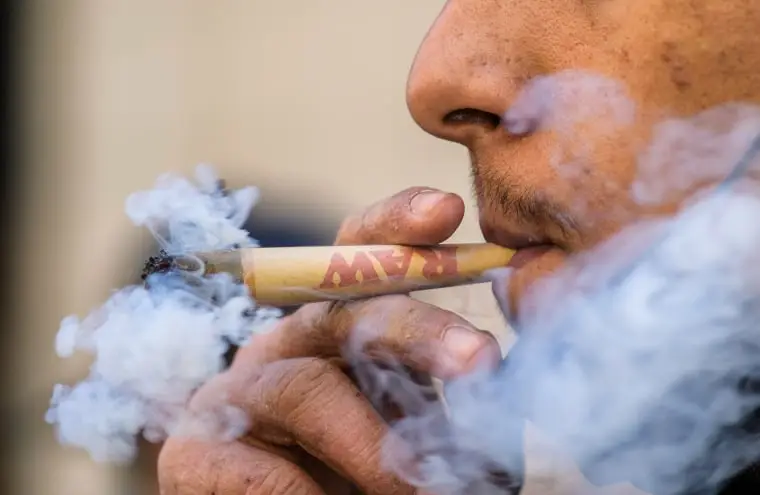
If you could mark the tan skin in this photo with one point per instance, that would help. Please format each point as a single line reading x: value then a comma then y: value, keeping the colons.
x: 313, y: 429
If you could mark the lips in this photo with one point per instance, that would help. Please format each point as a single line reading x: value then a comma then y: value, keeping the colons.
x: 526, y: 247
x: 525, y: 255
x: 508, y: 239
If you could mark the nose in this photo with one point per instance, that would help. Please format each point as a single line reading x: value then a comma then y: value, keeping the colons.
x: 466, y: 72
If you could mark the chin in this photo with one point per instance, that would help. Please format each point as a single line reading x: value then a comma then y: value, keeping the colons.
x: 518, y: 285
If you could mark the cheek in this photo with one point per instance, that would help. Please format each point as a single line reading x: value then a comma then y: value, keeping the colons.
x: 682, y: 56
x: 587, y: 174
x: 592, y: 173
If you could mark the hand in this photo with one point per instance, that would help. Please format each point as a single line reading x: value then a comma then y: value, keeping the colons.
x: 312, y: 431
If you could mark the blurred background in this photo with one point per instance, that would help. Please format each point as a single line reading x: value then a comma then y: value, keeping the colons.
x: 302, y: 98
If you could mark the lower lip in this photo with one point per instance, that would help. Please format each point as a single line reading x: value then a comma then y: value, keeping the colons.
x: 524, y: 256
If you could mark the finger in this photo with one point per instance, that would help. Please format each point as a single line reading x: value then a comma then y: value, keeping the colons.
x: 423, y: 337
x: 417, y: 216
x: 194, y: 467
x: 309, y: 403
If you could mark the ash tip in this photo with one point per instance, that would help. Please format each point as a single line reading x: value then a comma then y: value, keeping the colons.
x: 165, y: 263
x: 161, y: 263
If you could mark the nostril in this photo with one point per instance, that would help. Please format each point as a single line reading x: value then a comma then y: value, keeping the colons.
x: 471, y: 116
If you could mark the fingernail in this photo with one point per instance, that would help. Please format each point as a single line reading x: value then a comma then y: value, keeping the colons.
x: 470, y: 348
x: 424, y: 201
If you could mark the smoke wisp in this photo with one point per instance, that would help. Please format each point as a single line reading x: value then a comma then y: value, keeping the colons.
x: 641, y: 358
x: 154, y: 345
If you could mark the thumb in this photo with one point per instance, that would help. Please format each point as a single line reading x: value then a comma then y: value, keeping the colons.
x: 416, y: 216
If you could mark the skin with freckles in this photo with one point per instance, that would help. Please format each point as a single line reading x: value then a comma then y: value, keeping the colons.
x: 313, y: 430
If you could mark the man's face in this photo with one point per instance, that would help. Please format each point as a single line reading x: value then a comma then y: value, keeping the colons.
x: 540, y: 184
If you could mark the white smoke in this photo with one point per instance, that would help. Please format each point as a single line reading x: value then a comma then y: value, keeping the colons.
x: 639, y: 358
x: 642, y: 357
x: 154, y: 345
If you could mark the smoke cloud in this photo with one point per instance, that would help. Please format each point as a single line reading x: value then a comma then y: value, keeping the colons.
x: 641, y: 358
x: 154, y: 345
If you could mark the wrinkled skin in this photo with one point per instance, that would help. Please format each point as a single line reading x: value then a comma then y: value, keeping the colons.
x: 313, y: 429
x: 307, y: 412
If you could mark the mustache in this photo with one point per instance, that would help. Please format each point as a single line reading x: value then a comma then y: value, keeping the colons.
x: 531, y: 207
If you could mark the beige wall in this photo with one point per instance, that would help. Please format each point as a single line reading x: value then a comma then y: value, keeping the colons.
x: 304, y: 98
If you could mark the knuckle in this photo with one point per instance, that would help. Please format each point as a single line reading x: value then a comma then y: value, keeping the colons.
x: 411, y: 330
x: 381, y: 219
x: 176, y: 467
x: 303, y: 381
x: 324, y: 319
x: 404, y: 312
x: 212, y: 393
x: 392, y: 308
x: 387, y: 218
x: 279, y: 478
x: 322, y: 325
x: 253, y: 353
x: 350, y: 229
x: 333, y: 311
